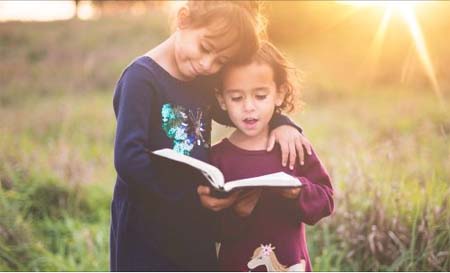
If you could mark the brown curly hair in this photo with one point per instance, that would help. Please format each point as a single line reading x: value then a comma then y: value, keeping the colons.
x: 285, y: 75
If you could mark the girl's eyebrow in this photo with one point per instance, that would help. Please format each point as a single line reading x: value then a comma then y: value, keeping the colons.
x: 208, y: 45
x: 262, y: 88
x: 213, y: 47
x: 232, y: 91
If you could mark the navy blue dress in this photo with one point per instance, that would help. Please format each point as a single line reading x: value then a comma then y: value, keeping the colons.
x: 158, y: 223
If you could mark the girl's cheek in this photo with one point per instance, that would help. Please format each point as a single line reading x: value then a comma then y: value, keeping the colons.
x: 215, y: 69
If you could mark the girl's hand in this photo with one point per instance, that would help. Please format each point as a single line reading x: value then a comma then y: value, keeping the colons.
x: 290, y: 140
x: 290, y: 193
x: 212, y: 203
x: 246, y: 203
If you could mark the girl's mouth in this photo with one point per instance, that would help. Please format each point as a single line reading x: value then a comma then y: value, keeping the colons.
x: 250, y: 122
x: 194, y: 70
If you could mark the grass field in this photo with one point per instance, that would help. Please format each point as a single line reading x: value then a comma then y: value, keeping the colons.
x: 385, y: 146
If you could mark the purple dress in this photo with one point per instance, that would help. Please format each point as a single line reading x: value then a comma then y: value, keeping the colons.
x: 276, y: 225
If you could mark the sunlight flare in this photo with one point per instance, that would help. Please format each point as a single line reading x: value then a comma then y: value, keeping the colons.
x: 377, y: 43
x: 406, y: 10
x: 419, y: 41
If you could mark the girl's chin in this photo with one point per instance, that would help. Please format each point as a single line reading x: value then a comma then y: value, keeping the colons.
x: 250, y: 133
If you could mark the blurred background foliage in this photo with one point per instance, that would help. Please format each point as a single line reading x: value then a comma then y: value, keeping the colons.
x: 374, y: 118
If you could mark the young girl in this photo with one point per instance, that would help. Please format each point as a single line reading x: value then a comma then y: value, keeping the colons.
x: 265, y: 227
x: 165, y: 99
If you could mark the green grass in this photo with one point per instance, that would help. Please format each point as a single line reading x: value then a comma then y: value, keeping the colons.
x: 386, y: 148
x: 388, y: 156
x: 57, y: 174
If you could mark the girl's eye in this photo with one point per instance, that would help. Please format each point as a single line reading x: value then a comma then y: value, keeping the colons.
x: 204, y: 49
x: 222, y: 61
x: 261, y: 97
x: 236, y: 99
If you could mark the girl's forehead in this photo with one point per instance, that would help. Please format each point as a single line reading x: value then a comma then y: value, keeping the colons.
x: 224, y: 41
x: 222, y: 46
x: 247, y: 76
x: 254, y: 68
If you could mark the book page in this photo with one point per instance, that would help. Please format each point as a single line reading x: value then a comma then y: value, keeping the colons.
x: 213, y: 174
x: 279, y: 179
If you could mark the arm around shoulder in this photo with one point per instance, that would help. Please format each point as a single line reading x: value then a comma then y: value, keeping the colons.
x: 279, y: 120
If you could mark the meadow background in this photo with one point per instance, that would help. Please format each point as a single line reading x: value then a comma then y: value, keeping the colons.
x: 379, y: 124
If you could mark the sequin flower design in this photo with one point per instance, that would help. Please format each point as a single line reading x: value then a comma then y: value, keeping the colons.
x: 184, y: 128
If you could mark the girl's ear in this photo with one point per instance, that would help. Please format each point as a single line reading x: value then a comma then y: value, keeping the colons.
x: 183, y: 17
x: 281, y: 93
x: 221, y: 101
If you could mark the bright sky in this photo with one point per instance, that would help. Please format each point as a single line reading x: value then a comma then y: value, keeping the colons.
x: 42, y: 10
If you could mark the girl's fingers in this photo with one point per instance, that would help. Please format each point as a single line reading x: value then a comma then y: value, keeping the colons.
x: 255, y: 195
x: 251, y: 200
x: 245, y: 195
x: 301, y: 153
x: 271, y: 142
x: 284, y: 152
x: 235, y: 195
x: 203, y: 190
x: 213, y: 203
x: 308, y: 146
x: 292, y: 154
x: 248, y: 195
x: 229, y: 199
x: 291, y: 193
x: 217, y: 204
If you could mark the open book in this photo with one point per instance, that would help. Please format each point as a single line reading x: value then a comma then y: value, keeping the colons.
x: 215, y: 177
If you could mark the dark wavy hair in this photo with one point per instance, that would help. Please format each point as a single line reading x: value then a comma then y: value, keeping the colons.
x: 285, y: 75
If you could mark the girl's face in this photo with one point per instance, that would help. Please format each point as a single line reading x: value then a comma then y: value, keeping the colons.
x: 249, y: 95
x: 197, y: 54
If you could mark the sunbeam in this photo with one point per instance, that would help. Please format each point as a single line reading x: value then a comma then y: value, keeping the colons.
x: 419, y: 41
x: 406, y: 10
x: 375, y: 49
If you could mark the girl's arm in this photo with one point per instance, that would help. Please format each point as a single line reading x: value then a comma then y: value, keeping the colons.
x: 314, y: 200
x: 282, y: 130
x: 133, y: 102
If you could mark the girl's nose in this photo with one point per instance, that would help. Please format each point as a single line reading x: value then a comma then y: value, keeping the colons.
x: 206, y: 63
x: 249, y: 105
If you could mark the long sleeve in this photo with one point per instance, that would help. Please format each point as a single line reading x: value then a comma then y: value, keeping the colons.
x: 133, y: 103
x: 316, y: 196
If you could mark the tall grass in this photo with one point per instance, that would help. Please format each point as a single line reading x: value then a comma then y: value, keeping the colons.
x: 388, y: 154
x: 56, y: 175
